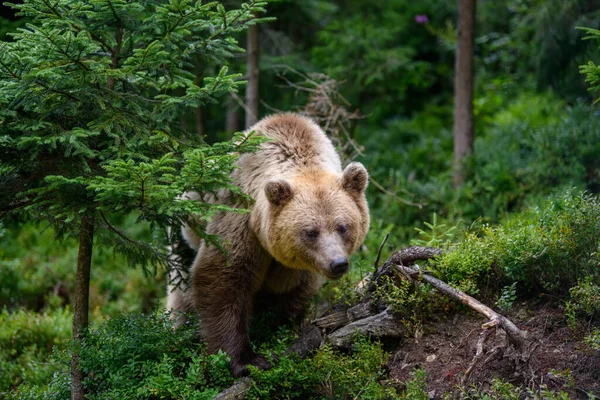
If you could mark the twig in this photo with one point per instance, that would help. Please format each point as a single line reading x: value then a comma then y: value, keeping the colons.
x: 240, y: 102
x: 115, y: 230
x: 5, y: 210
x: 379, y: 251
x: 395, y: 196
x: 483, y: 335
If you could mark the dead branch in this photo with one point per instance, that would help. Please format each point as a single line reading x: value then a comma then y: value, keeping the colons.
x: 383, y: 324
x: 379, y: 251
x: 237, y: 391
x: 515, y: 335
x: 483, y: 335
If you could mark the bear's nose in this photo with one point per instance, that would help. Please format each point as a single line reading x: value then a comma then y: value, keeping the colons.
x: 339, y: 266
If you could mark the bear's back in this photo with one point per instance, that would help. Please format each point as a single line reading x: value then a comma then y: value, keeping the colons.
x: 296, y: 143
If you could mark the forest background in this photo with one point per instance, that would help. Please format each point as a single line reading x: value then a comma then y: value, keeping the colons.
x: 523, y: 228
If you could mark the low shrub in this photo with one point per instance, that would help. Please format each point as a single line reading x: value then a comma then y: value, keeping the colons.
x: 26, y: 340
x: 546, y: 249
x: 328, y: 374
x: 584, y: 301
x: 142, y: 356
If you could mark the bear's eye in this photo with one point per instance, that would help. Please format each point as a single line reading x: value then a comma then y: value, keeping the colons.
x: 311, y: 233
x: 342, y: 229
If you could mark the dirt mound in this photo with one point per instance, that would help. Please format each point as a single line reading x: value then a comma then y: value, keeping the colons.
x: 554, y: 355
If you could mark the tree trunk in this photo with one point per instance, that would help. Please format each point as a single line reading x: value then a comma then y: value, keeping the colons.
x: 232, y: 122
x: 464, y: 134
x: 252, y: 99
x: 200, y: 121
x: 199, y: 112
x: 81, y: 299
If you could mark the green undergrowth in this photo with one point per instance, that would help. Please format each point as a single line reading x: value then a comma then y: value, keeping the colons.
x: 498, y: 389
x: 34, y: 263
x: 545, y: 250
x: 141, y: 356
x: 327, y: 374
x: 584, y: 305
x: 27, y: 340
x: 528, y: 150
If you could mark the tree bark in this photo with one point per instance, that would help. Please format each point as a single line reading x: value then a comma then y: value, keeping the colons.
x: 252, y: 56
x: 199, y: 112
x: 200, y: 121
x: 232, y: 122
x: 81, y: 299
x: 464, y: 134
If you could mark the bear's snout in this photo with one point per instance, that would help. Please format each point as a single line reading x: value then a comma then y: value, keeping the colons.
x: 339, y: 267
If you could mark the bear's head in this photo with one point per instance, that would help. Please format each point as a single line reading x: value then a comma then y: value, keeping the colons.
x: 316, y: 219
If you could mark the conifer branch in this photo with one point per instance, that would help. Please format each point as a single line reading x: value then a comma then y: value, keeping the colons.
x: 6, y: 209
x: 112, y: 8
x: 115, y: 230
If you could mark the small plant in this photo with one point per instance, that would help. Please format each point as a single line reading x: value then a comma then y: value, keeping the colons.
x: 437, y: 235
x: 593, y: 339
x: 585, y: 301
x: 564, y: 375
x: 406, y: 299
x: 499, y: 390
x: 416, y: 388
x: 547, y: 394
x: 507, y: 297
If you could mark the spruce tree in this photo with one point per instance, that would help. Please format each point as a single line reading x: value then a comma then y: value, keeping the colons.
x: 91, y: 94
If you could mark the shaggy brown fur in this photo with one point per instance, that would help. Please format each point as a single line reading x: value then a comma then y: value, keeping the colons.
x: 309, y: 216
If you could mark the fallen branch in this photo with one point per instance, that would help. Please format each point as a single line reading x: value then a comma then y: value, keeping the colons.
x: 237, y: 391
x: 483, y: 335
x: 515, y: 335
x: 383, y: 324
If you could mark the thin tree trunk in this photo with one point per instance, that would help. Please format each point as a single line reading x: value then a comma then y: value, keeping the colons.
x: 232, y: 121
x: 464, y: 134
x: 200, y: 121
x: 81, y: 299
x: 199, y: 113
x: 252, y: 100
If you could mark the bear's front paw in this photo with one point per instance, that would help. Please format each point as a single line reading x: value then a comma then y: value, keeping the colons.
x: 240, y: 369
x: 260, y: 362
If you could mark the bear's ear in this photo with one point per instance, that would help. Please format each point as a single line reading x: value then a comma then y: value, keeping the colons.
x: 279, y: 192
x: 355, y: 178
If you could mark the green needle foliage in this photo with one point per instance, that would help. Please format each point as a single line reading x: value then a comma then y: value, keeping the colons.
x: 591, y: 70
x: 91, y: 97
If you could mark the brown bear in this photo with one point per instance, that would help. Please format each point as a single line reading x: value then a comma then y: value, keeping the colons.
x: 307, y: 218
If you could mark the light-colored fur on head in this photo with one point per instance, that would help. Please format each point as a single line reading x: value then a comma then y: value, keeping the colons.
x: 304, y: 187
x: 320, y: 221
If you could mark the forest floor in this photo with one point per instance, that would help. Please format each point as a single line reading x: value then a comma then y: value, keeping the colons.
x: 555, y: 357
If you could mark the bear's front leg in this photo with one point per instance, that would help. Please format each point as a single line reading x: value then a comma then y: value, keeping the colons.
x: 292, y: 290
x: 226, y: 327
x: 223, y: 295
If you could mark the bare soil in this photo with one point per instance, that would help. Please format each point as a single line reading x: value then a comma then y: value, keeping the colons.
x: 555, y: 355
